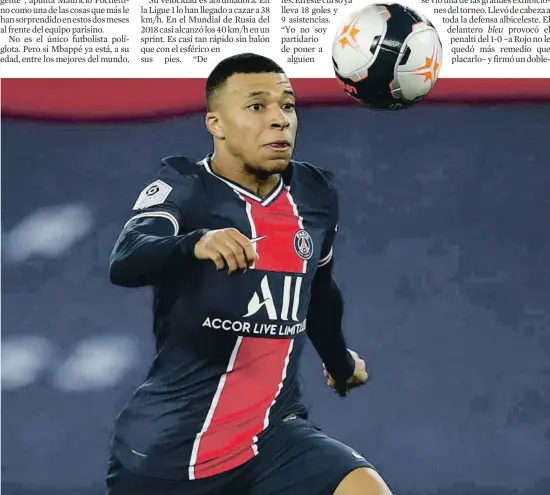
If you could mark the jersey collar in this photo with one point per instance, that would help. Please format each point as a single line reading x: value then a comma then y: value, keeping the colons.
x: 243, y: 191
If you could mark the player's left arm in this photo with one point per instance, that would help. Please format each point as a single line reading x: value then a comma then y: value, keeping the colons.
x: 343, y: 367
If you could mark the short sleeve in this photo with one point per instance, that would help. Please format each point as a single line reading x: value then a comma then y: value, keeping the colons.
x: 166, y: 196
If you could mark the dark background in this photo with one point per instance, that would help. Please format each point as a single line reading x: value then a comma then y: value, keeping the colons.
x: 443, y: 256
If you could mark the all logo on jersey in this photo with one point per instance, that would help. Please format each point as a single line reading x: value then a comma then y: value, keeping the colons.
x: 303, y: 244
x: 283, y: 314
x: 154, y: 194
x: 264, y: 299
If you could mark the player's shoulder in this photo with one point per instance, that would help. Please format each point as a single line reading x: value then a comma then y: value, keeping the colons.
x: 313, y: 172
x: 179, y: 168
x: 180, y: 172
x: 314, y: 177
x: 176, y: 180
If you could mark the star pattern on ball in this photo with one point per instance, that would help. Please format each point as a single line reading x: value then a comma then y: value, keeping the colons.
x: 348, y: 34
x: 429, y: 69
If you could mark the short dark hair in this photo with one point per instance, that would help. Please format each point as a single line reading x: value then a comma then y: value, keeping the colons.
x: 243, y: 63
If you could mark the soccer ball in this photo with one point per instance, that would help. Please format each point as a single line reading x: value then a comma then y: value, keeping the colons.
x: 386, y: 56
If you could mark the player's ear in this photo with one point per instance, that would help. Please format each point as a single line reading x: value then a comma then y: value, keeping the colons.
x: 214, y: 125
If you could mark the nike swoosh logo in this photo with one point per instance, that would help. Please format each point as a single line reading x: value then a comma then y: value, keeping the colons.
x: 256, y: 239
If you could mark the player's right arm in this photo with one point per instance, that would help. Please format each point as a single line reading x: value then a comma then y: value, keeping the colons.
x: 154, y: 241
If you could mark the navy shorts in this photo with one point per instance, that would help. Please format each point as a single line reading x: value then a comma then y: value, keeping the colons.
x: 294, y: 457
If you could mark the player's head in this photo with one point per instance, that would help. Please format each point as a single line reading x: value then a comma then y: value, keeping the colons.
x: 250, y: 105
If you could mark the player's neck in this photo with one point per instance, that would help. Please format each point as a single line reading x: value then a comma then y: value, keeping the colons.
x: 234, y: 170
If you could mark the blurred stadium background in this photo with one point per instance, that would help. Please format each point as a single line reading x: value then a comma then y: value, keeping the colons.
x: 443, y: 255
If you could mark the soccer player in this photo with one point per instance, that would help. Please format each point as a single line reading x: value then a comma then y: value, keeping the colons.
x: 238, y: 250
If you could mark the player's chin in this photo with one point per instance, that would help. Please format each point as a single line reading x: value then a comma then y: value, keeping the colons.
x: 276, y: 161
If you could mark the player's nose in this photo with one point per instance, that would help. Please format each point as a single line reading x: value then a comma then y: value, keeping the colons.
x: 279, y: 119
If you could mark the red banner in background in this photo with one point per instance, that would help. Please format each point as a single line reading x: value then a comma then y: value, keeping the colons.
x: 124, y: 99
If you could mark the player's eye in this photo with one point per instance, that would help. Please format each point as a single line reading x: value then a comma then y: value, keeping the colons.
x: 256, y: 107
x: 289, y: 106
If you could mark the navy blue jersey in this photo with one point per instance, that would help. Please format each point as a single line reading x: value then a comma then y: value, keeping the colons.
x: 228, y: 346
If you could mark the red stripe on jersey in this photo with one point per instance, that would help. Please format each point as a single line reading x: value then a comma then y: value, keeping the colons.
x: 278, y: 223
x: 246, y: 393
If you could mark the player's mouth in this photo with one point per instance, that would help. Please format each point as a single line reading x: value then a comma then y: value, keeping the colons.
x: 279, y: 145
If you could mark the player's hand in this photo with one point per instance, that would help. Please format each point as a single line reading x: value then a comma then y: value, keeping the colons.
x: 359, y: 377
x: 226, y: 248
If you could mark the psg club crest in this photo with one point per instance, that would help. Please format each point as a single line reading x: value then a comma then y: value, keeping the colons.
x: 303, y: 244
